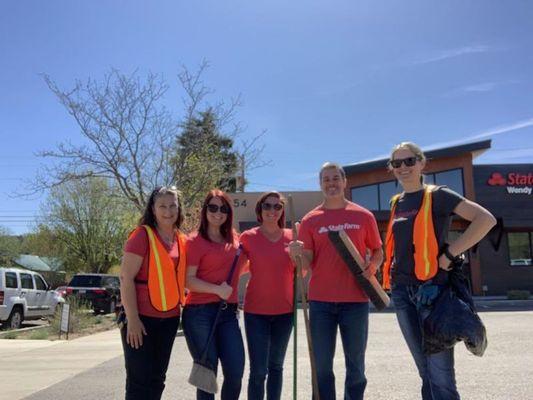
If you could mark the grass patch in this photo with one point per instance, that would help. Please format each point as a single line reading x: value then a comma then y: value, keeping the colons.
x: 10, y: 335
x: 40, y: 334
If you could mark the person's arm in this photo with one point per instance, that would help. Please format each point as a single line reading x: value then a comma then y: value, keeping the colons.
x: 481, y: 223
x: 195, y: 284
x: 131, y: 264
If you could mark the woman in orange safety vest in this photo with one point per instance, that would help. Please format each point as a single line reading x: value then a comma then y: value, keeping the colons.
x: 152, y: 278
x: 419, y: 256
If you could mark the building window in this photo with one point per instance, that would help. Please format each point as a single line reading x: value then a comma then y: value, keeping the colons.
x: 386, y: 191
x: 376, y: 197
x: 520, y: 248
x: 366, y: 196
x: 452, y: 178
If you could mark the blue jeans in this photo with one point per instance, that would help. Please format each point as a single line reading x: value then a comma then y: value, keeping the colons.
x: 146, y: 366
x: 352, y: 321
x: 435, y: 370
x: 267, y: 337
x: 226, y: 345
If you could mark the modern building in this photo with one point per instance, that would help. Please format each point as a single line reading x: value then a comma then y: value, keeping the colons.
x: 502, y: 261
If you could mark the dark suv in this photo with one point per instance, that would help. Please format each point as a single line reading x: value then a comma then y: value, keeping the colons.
x: 102, y: 291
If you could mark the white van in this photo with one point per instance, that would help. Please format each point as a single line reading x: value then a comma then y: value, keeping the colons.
x: 24, y: 295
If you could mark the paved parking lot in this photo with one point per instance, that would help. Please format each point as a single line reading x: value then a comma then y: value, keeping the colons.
x: 503, y: 373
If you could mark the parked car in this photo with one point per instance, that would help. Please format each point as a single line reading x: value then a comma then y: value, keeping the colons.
x: 25, y: 295
x: 102, y: 291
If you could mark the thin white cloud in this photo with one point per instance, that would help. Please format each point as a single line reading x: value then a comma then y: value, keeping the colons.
x: 451, y: 53
x: 482, y: 87
x: 507, y: 154
x: 498, y: 130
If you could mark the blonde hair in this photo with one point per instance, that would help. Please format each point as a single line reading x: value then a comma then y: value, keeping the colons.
x: 412, y: 147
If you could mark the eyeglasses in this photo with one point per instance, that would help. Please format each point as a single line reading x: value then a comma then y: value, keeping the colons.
x: 409, y: 162
x: 268, y: 206
x: 213, y: 208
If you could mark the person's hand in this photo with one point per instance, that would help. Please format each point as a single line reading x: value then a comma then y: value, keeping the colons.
x: 224, y: 291
x: 369, y: 270
x: 445, y: 263
x: 296, y: 249
x: 134, y: 332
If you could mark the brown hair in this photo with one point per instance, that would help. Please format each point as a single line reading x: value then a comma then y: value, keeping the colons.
x: 331, y: 165
x: 259, y: 204
x: 226, y: 229
x: 148, y: 217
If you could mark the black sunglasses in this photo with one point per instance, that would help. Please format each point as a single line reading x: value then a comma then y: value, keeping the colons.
x: 409, y: 162
x: 213, y: 208
x: 268, y: 206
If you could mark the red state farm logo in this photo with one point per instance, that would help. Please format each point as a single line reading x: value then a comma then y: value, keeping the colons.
x: 496, y: 179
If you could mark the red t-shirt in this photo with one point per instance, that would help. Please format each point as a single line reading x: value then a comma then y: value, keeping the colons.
x: 138, y: 244
x: 270, y: 288
x: 331, y: 280
x: 214, y: 263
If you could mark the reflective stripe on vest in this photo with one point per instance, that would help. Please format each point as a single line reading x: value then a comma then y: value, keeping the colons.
x: 166, y: 283
x: 426, y: 248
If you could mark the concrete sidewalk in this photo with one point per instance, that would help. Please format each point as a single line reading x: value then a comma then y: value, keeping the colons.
x: 93, y: 367
x: 28, y: 366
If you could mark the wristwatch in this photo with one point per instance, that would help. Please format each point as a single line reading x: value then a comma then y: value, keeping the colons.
x: 446, y: 251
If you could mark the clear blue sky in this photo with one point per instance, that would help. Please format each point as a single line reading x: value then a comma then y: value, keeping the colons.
x: 329, y: 80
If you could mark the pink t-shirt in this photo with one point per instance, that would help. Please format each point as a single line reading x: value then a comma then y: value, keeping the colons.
x: 138, y: 244
x: 331, y: 280
x: 214, y: 263
x: 270, y: 288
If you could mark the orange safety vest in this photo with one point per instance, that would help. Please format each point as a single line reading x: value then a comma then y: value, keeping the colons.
x: 426, y: 247
x: 166, y: 283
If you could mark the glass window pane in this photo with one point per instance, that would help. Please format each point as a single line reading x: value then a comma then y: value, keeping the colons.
x: 26, y: 281
x: 386, y: 191
x: 453, y: 179
x: 366, y: 196
x: 429, y: 179
x: 519, y: 250
x: 11, y: 280
x: 39, y: 283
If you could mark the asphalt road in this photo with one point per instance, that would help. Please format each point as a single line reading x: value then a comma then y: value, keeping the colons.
x: 503, y: 373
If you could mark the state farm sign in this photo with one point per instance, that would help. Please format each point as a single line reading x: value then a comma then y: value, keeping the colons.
x: 516, y: 183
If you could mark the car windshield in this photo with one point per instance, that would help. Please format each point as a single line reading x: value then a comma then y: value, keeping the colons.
x: 86, y: 281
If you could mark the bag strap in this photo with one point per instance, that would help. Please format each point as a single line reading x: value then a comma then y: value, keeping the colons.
x: 222, y: 305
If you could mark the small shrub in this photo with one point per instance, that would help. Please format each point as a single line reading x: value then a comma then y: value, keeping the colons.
x: 518, y: 294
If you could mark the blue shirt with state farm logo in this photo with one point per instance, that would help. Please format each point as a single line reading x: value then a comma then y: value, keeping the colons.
x: 331, y: 280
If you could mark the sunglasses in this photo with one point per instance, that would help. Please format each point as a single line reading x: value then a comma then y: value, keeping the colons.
x: 409, y: 162
x: 213, y: 208
x: 268, y: 206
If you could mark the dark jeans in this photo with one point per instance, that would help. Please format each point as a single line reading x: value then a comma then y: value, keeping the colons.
x: 146, y: 367
x: 226, y: 345
x: 352, y: 321
x: 267, y: 337
x: 436, y: 370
